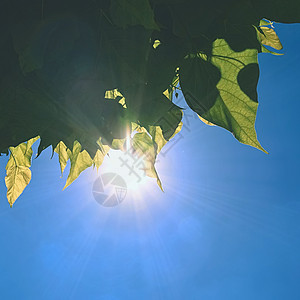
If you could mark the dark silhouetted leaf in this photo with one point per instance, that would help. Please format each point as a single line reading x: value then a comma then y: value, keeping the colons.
x: 132, y: 12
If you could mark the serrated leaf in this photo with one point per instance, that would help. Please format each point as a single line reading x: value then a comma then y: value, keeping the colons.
x: 61, y: 150
x: 228, y: 98
x: 79, y: 162
x: 18, y: 174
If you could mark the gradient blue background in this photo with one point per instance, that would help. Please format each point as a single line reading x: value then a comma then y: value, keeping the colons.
x: 227, y: 226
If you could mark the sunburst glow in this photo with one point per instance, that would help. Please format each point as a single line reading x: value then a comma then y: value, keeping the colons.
x: 128, y: 167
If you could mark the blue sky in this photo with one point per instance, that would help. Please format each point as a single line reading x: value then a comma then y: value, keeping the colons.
x: 227, y: 226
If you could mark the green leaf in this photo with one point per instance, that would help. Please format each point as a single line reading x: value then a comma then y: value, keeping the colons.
x: 132, y: 12
x: 149, y: 147
x: 198, y: 80
x: 283, y: 11
x: 118, y: 144
x: 30, y: 52
x: 79, y: 162
x: 61, y: 150
x: 56, y: 67
x: 18, y: 174
x: 227, y: 94
x: 145, y: 148
x: 149, y: 109
x: 158, y: 136
x: 49, y: 40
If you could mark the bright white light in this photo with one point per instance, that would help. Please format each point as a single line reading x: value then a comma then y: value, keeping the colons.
x: 128, y: 167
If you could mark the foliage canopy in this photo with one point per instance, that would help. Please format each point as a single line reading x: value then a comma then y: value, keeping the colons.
x: 82, y: 75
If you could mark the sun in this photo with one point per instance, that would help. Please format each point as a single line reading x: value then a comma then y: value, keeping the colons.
x: 128, y: 167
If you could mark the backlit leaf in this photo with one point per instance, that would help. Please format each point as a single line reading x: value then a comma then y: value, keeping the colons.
x: 86, y: 75
x: 146, y: 149
x: 80, y: 160
x: 100, y: 154
x: 61, y: 150
x: 169, y: 92
x: 226, y: 98
x: 158, y: 137
x: 18, y: 174
x: 156, y: 43
x: 268, y: 36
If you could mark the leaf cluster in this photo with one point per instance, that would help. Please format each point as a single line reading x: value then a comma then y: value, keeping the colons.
x: 83, y: 75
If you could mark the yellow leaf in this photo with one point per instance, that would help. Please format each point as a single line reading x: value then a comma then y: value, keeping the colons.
x: 79, y: 162
x: 18, y: 174
x: 206, y: 122
x: 169, y: 92
x: 100, y: 155
x: 156, y: 43
x: 61, y: 150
